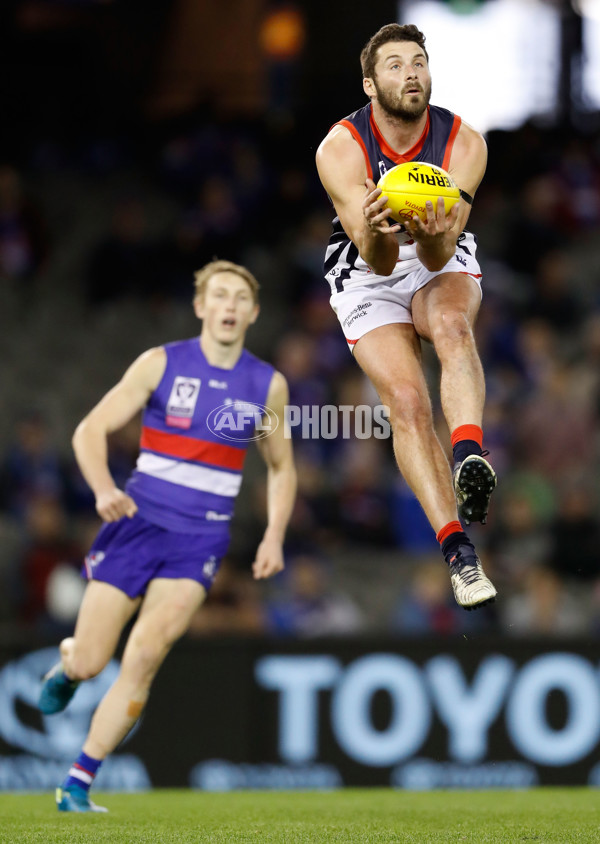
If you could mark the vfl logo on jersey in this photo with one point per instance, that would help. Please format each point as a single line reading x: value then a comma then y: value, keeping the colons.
x: 382, y: 169
x: 182, y: 401
x: 92, y: 560
x: 209, y: 569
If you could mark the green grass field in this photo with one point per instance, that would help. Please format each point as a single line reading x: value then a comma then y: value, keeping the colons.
x: 365, y: 815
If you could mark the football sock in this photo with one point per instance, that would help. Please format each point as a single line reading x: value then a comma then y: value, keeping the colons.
x: 450, y: 537
x: 82, y: 772
x: 466, y: 440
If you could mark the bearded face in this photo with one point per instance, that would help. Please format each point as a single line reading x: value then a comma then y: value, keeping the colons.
x: 407, y: 103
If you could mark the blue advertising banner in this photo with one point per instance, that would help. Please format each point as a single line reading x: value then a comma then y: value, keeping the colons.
x: 265, y: 714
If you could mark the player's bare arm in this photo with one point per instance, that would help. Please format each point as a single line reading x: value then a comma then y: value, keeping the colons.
x: 436, y: 238
x: 113, y: 411
x: 357, y: 201
x: 276, y: 451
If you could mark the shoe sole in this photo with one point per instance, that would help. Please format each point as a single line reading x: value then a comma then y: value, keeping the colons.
x: 66, y: 803
x: 476, y: 480
x: 472, y: 607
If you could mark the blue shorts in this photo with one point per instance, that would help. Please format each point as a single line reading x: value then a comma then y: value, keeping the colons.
x: 131, y: 552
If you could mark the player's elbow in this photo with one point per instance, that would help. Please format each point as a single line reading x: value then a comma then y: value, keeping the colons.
x: 285, y: 478
x: 380, y: 257
x: 82, y: 434
x: 78, y: 434
x: 283, y: 466
x: 383, y: 267
x: 436, y: 259
x: 434, y: 265
x: 379, y: 262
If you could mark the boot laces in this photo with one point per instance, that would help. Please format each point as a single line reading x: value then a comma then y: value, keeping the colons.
x: 467, y: 571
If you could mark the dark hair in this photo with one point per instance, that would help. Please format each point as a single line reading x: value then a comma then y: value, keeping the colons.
x: 387, y: 33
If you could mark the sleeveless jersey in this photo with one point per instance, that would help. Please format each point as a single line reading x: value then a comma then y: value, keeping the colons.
x: 344, y: 268
x: 187, y: 476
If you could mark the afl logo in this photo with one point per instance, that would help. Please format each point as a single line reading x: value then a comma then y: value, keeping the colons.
x: 240, y: 421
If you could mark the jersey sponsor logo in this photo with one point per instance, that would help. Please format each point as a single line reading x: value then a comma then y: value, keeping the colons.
x: 461, y: 260
x: 382, y: 168
x: 217, y: 385
x: 356, y: 313
x: 182, y: 401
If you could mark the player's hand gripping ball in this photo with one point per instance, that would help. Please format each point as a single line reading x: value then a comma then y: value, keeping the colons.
x: 409, y: 186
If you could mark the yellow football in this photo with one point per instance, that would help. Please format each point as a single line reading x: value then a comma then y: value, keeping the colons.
x: 409, y: 186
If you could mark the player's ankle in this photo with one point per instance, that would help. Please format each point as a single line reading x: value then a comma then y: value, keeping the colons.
x: 82, y: 772
x: 466, y: 440
x: 451, y: 537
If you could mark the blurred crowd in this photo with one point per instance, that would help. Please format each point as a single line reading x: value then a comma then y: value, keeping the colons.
x: 360, y: 557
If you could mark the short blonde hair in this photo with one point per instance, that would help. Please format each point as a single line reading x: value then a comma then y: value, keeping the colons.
x: 204, y: 275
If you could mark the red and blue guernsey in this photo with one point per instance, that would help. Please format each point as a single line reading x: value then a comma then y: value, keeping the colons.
x: 344, y: 267
x: 187, y: 477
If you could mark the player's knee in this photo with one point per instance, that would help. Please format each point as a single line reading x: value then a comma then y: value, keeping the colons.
x: 450, y: 329
x: 409, y: 408
x: 144, y: 660
x: 84, y: 666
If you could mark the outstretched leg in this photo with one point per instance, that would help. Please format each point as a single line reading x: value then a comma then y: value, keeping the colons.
x: 444, y: 312
x: 390, y: 356
x: 104, y: 612
x: 164, y: 616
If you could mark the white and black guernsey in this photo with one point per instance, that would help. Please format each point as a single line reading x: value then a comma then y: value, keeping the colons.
x: 344, y: 268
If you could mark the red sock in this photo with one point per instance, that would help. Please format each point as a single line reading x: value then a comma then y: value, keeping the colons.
x: 447, y: 530
x: 466, y: 440
x: 467, y: 432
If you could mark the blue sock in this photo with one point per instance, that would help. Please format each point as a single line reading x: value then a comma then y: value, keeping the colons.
x: 464, y: 449
x: 82, y: 772
x: 451, y: 544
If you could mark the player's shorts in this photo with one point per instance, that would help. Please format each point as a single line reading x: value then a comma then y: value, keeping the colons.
x: 130, y: 553
x: 362, y: 308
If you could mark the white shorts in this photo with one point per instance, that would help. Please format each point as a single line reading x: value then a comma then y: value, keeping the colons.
x: 362, y: 308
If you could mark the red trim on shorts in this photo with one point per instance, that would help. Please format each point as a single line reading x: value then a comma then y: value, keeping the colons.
x: 450, y: 143
x: 467, y: 432
x: 448, y: 530
x: 356, y: 135
x: 188, y: 448
x: 399, y: 158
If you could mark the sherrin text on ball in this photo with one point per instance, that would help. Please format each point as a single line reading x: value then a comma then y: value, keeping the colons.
x: 410, y: 185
